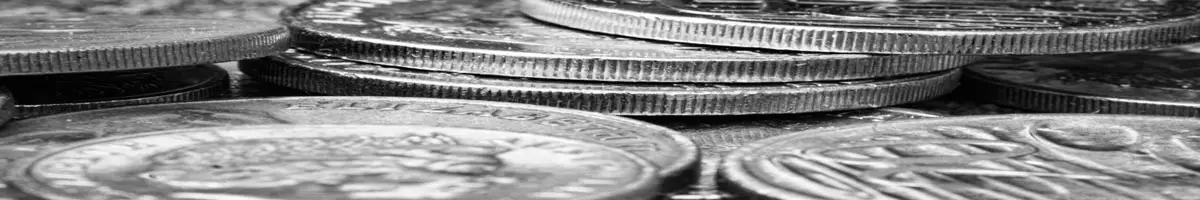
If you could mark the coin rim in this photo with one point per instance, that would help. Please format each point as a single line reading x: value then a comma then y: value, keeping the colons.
x: 1047, y: 99
x: 213, y: 87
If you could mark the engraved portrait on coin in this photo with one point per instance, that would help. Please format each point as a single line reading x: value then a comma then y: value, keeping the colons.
x: 341, y: 162
x: 1071, y: 156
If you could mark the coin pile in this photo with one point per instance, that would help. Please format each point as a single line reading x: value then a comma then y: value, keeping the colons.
x: 62, y: 64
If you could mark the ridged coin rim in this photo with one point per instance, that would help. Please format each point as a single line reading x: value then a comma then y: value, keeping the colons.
x: 215, y: 86
x: 1044, y: 99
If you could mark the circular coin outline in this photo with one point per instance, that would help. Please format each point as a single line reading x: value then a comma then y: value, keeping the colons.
x: 357, y: 39
x: 735, y: 175
x: 179, y: 43
x: 317, y: 74
x: 215, y: 84
x: 642, y: 188
x: 651, y: 19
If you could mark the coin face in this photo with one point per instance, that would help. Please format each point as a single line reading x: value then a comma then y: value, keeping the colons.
x: 716, y: 136
x: 904, y: 27
x: 1159, y: 82
x: 493, y: 37
x: 1069, y: 156
x: 673, y: 152
x: 61, y: 93
x: 298, y: 70
x: 47, y: 45
x: 337, y: 162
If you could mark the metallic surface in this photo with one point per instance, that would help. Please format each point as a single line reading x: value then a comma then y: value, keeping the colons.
x: 1150, y: 82
x: 322, y: 162
x: 39, y: 45
x: 889, y: 27
x: 60, y: 93
x: 718, y: 135
x: 339, y: 77
x: 675, y: 154
x: 491, y: 37
x: 1061, y: 156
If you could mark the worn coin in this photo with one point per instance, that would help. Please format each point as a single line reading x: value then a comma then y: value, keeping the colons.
x: 491, y: 37
x: 35, y: 45
x: 1152, y: 82
x: 1066, y: 156
x: 889, y: 27
x: 718, y: 135
x: 60, y: 93
x: 671, y: 151
x: 322, y: 162
x: 340, y: 77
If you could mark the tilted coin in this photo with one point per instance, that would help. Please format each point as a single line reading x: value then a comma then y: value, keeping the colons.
x: 492, y: 37
x: 716, y: 136
x: 49, y: 45
x: 889, y: 27
x: 1152, y: 82
x: 1066, y: 156
x: 340, y: 77
x: 322, y: 162
x: 674, y: 153
x: 60, y: 93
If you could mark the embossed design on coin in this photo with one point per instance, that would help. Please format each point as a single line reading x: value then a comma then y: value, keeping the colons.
x: 50, y: 45
x: 60, y: 93
x: 977, y: 157
x: 1157, y: 82
x: 903, y: 27
x: 492, y: 37
x: 337, y: 162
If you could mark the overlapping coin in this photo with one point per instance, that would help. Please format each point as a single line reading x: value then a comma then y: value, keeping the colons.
x: 60, y: 93
x: 1038, y: 156
x: 322, y: 162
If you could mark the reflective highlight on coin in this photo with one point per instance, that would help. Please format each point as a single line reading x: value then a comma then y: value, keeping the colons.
x: 336, y: 162
x: 1068, y: 156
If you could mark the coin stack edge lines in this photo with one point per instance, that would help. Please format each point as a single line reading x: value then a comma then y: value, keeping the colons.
x: 215, y: 88
x: 859, y: 40
x: 1049, y: 100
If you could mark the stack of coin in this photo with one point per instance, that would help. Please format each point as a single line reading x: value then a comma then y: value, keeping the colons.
x: 62, y: 64
x: 489, y: 50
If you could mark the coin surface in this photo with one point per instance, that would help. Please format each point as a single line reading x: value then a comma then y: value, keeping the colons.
x: 322, y: 162
x: 492, y: 37
x: 37, y: 45
x: 716, y: 136
x: 674, y: 153
x: 889, y: 27
x: 340, y: 77
x: 1064, y: 156
x: 60, y: 93
x: 1151, y: 82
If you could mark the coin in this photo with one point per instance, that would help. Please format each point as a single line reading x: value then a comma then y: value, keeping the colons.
x: 492, y: 37
x: 340, y: 77
x: 716, y: 136
x: 1151, y: 82
x: 1040, y: 156
x: 35, y: 45
x: 674, y: 153
x: 7, y: 105
x: 336, y: 162
x: 60, y: 93
x: 889, y: 27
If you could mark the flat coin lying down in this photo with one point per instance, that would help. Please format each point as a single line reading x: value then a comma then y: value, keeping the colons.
x: 491, y: 37
x: 59, y: 93
x: 326, y: 75
x: 675, y: 154
x: 321, y: 162
x: 1040, y: 156
x: 889, y: 26
x: 51, y: 45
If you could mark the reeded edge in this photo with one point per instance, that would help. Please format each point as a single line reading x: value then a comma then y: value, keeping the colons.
x: 690, y: 28
x: 736, y: 178
x: 652, y: 101
x: 17, y: 175
x: 148, y: 56
x: 1045, y: 99
x: 214, y: 87
x: 689, y: 160
x: 409, y: 54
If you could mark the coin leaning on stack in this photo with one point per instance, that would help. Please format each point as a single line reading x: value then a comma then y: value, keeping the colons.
x: 63, y: 64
